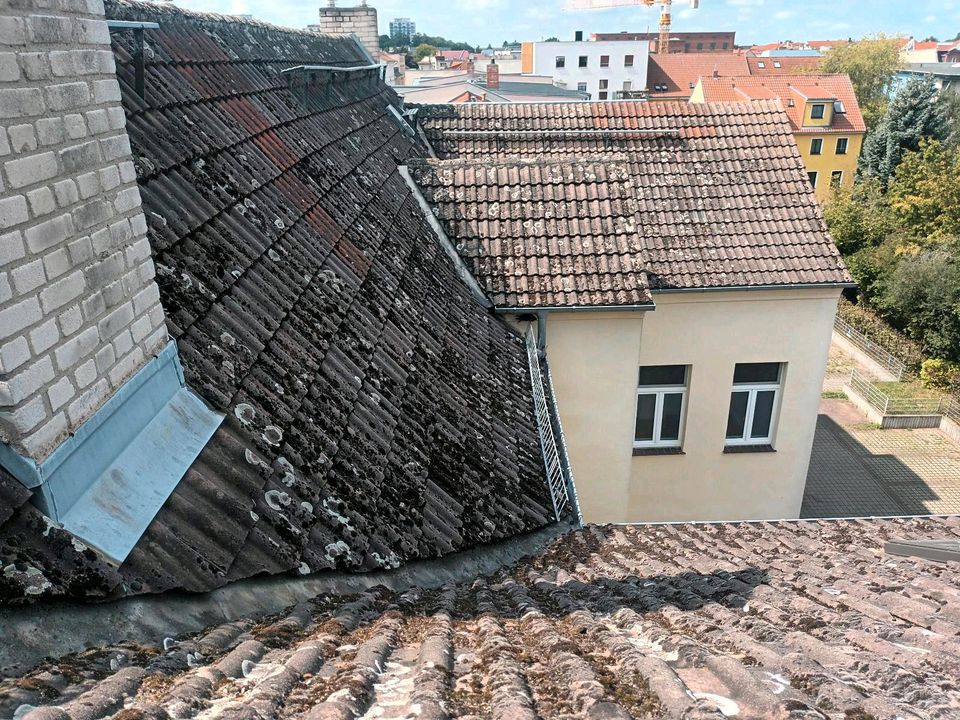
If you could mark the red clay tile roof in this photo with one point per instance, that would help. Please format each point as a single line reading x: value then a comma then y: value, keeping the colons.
x: 543, y: 233
x: 721, y: 198
x: 797, y: 620
x: 376, y: 412
x: 679, y: 72
x: 795, y: 88
x: 782, y: 65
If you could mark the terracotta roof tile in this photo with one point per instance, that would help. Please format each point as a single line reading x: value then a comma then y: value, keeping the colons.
x: 679, y: 72
x: 795, y: 89
x: 752, y: 620
x: 701, y: 196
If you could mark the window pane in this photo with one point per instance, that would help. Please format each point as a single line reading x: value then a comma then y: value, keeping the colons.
x: 756, y: 373
x: 738, y: 414
x: 663, y: 375
x: 646, y: 408
x: 670, y: 423
x: 762, y: 414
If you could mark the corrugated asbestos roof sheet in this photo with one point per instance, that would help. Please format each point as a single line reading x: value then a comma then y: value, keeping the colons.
x: 700, y: 196
x: 375, y: 412
x: 750, y: 620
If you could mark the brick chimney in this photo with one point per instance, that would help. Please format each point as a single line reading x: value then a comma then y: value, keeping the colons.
x: 360, y: 20
x: 493, y: 75
x: 82, y: 331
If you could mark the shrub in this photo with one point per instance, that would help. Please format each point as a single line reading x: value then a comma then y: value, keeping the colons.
x: 940, y: 374
x: 875, y: 328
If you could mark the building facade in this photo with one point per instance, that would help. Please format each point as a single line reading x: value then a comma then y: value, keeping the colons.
x: 606, y: 70
x: 680, y: 42
x: 685, y: 315
x: 402, y: 27
x: 827, y: 123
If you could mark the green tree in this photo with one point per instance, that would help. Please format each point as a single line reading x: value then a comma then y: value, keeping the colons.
x: 913, y: 114
x: 859, y: 217
x: 949, y: 103
x: 925, y: 193
x: 871, y: 64
x: 423, y: 50
x: 552, y: 39
x: 923, y: 296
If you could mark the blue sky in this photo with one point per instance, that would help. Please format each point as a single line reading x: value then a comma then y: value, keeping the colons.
x: 493, y: 21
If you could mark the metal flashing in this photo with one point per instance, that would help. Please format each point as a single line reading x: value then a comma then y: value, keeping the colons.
x: 936, y: 550
x: 106, y: 481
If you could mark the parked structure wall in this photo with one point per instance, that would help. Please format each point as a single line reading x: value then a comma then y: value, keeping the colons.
x: 79, y: 309
x: 360, y: 21
x: 595, y: 359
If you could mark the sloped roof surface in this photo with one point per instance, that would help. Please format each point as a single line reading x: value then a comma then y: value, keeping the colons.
x: 797, y: 88
x: 753, y: 620
x: 679, y: 72
x: 722, y: 198
x: 374, y: 411
x: 543, y: 233
x: 782, y: 65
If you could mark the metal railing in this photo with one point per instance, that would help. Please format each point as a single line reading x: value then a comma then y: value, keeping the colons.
x: 556, y: 472
x: 951, y: 408
x: 886, y: 404
x: 883, y: 358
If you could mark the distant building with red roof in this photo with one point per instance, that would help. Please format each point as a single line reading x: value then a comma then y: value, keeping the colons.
x: 824, y: 116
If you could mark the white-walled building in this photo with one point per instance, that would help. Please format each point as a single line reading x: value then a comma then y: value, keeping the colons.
x: 605, y: 69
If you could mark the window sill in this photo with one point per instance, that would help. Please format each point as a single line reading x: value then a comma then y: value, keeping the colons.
x: 647, y: 451
x: 734, y: 449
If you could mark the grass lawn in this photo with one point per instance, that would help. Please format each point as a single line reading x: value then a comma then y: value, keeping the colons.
x: 906, y: 390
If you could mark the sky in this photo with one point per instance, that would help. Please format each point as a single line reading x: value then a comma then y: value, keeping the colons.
x: 483, y: 22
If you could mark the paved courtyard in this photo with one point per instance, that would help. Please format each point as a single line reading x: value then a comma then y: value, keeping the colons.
x: 857, y: 469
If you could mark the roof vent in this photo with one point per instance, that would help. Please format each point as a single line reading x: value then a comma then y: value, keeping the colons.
x: 401, y: 120
x: 790, y: 102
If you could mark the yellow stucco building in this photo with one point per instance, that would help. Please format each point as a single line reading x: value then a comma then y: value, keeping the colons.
x: 824, y: 115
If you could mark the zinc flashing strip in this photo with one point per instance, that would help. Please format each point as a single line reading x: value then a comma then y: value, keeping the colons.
x: 106, y: 481
x: 459, y: 265
x: 936, y: 550
x: 740, y: 288
x: 650, y: 307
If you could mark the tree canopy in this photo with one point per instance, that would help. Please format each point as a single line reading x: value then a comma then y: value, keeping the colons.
x: 424, y: 50
x: 871, y: 64
x: 912, y: 115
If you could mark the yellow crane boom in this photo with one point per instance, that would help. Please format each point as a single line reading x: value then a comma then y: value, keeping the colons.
x: 663, y: 42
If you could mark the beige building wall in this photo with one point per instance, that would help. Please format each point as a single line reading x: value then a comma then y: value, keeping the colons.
x: 594, y: 359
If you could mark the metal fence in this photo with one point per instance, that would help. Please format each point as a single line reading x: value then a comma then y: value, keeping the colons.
x: 556, y: 472
x: 886, y: 404
x: 951, y: 408
x: 887, y: 361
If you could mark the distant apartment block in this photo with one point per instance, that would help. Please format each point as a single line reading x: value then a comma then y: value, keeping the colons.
x: 607, y: 70
x: 681, y: 42
x: 402, y: 26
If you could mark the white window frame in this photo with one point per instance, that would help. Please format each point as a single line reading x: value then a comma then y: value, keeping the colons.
x: 813, y: 144
x: 846, y: 144
x: 838, y: 175
x: 753, y: 389
x: 660, y: 391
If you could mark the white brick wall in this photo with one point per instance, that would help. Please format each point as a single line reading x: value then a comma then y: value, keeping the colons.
x: 359, y: 21
x: 79, y: 311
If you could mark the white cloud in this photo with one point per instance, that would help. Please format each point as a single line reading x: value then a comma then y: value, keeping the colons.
x: 783, y: 14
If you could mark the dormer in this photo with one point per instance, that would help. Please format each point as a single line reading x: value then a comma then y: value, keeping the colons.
x: 818, y: 110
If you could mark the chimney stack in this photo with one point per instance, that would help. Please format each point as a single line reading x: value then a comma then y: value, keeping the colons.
x: 493, y: 75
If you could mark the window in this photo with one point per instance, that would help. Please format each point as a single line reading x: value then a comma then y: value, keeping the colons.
x: 628, y: 60
x: 699, y: 46
x: 582, y: 61
x: 604, y: 61
x: 816, y: 146
x: 841, y: 146
x: 661, y: 396
x: 753, y: 403
x: 561, y: 61
x: 604, y: 83
x: 816, y: 112
x: 686, y: 47
x: 761, y: 64
x: 838, y: 107
x: 627, y: 85
x: 726, y: 46
x: 602, y: 95
x: 813, y: 178
x: 836, y: 178
x: 713, y: 46
x: 776, y: 63
x: 582, y: 87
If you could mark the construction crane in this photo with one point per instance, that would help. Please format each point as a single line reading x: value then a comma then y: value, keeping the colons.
x: 663, y: 43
